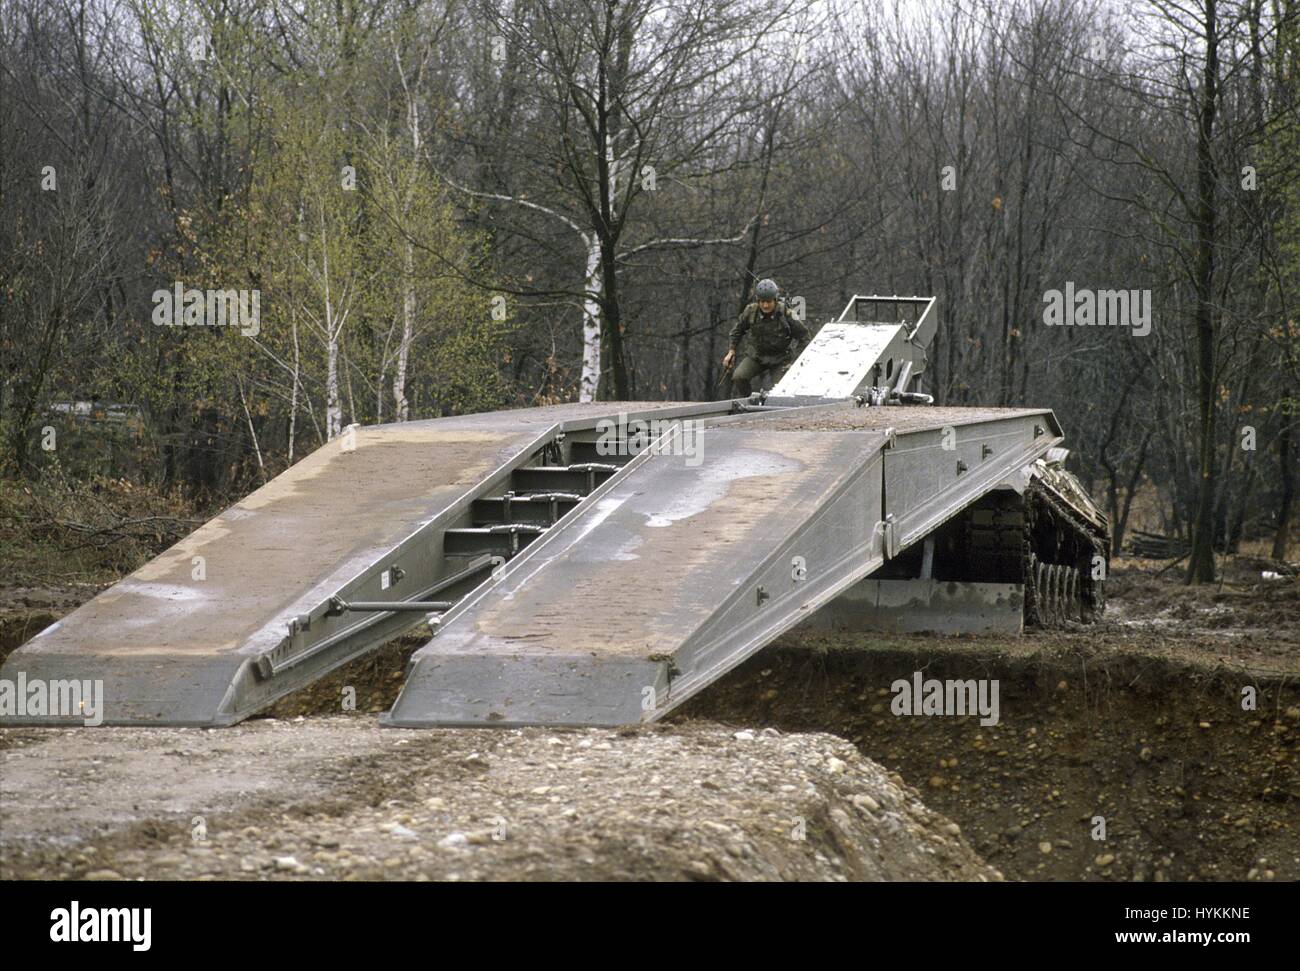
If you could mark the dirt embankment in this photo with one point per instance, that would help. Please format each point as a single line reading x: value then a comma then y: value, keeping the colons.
x: 338, y: 798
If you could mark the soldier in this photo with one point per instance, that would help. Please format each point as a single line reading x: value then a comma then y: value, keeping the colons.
x: 773, y: 328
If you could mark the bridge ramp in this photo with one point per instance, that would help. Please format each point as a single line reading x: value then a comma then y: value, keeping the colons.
x: 669, y: 579
x: 204, y: 633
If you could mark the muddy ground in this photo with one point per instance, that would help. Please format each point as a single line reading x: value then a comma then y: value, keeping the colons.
x: 774, y: 773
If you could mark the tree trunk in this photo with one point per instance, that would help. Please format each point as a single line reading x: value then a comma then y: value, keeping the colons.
x: 612, y: 329
x: 1200, y: 568
x: 293, y: 395
x: 333, y: 400
x: 590, y: 381
x: 1282, y: 538
x: 401, y: 408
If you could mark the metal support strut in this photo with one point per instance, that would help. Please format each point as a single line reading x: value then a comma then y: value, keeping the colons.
x: 338, y: 606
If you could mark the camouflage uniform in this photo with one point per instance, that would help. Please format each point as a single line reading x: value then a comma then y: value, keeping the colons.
x: 772, y: 334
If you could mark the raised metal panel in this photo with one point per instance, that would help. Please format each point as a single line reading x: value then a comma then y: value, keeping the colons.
x: 843, y: 359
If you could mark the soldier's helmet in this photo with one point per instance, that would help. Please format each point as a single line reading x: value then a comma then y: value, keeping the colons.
x: 766, y: 290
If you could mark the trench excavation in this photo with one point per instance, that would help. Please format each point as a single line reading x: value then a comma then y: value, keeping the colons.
x: 1191, y: 786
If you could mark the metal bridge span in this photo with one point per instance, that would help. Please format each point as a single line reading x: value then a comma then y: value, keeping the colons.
x: 579, y: 570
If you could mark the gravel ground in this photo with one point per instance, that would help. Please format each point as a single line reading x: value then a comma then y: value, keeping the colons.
x: 337, y: 798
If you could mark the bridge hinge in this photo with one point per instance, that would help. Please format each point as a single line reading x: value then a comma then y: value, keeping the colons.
x: 888, y: 531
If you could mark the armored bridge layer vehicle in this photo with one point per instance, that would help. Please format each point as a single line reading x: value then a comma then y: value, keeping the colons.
x: 598, y: 564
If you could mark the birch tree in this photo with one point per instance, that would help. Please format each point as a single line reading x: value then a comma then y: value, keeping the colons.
x: 627, y: 95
